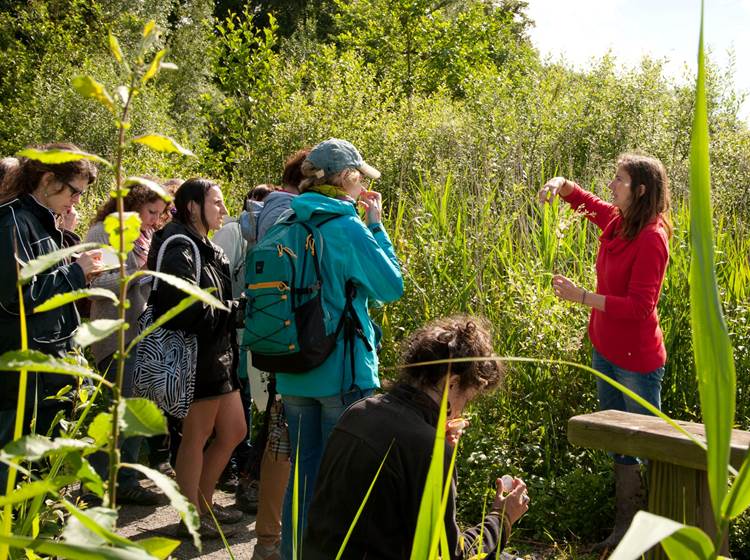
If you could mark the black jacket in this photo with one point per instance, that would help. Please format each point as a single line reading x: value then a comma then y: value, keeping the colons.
x: 385, y: 530
x: 213, y: 327
x: 32, y: 227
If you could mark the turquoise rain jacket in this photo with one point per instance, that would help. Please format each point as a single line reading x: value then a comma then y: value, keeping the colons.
x: 365, y: 255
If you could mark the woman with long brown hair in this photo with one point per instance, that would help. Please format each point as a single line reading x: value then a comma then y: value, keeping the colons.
x: 624, y: 325
x: 33, y: 195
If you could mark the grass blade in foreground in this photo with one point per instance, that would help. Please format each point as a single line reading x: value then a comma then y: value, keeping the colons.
x: 430, y: 520
x: 679, y: 541
x: 18, y: 427
x: 362, y: 505
x: 714, y: 361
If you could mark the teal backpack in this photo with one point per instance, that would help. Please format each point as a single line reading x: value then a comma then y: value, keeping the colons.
x: 287, y: 328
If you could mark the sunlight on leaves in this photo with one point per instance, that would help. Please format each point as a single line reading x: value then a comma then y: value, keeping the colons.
x: 96, y: 330
x: 153, y: 185
x: 59, y: 300
x: 161, y: 143
x: 141, y: 417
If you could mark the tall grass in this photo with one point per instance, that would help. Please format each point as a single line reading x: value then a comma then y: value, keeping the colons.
x: 494, y: 253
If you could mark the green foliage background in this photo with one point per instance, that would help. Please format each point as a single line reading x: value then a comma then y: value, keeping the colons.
x: 451, y: 102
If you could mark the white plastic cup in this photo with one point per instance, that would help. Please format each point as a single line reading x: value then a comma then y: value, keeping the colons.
x: 507, y: 482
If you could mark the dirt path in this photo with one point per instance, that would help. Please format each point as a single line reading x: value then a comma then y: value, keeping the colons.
x: 139, y: 522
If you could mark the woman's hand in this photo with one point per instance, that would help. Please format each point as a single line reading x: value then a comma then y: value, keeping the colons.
x: 373, y: 204
x: 90, y: 262
x: 554, y: 187
x: 454, y: 429
x: 565, y: 289
x: 513, y: 504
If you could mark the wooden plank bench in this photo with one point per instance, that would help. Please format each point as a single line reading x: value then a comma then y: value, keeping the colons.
x: 678, y: 487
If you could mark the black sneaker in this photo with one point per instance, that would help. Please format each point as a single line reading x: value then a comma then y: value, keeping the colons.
x: 138, y: 496
x: 166, y: 469
x: 226, y: 515
x: 246, y: 498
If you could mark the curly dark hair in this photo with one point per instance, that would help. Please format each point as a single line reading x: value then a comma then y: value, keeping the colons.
x: 457, y: 336
x: 138, y: 196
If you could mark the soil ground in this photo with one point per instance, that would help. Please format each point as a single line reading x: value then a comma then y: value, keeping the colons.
x: 139, y: 522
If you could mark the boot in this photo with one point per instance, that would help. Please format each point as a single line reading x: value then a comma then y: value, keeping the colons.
x: 629, y: 498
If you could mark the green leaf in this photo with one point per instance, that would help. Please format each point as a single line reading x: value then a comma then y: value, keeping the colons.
x: 679, y: 541
x: 153, y: 185
x: 75, y: 551
x: 39, y: 265
x: 689, y: 543
x: 159, y: 547
x: 75, y: 532
x: 714, y: 360
x: 101, y: 428
x: 33, y: 360
x: 98, y: 521
x: 62, y: 392
x: 89, y: 87
x: 173, y: 312
x: 63, y: 299
x: 149, y: 28
x: 141, y: 417
x: 114, y: 47
x: 96, y: 330
x: 187, y: 510
x: 34, y: 447
x: 738, y: 498
x: 187, y: 287
x: 82, y: 470
x: 55, y: 156
x: 35, y: 488
x: 130, y: 232
x: 154, y: 67
x: 162, y: 143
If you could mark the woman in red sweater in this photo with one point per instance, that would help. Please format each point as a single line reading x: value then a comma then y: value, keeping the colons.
x: 624, y: 327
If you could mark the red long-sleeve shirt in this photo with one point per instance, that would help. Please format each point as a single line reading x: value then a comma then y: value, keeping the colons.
x: 629, y: 275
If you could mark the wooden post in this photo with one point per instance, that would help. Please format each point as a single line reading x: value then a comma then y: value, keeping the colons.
x: 677, y: 481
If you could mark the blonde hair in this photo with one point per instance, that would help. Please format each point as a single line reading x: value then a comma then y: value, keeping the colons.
x: 315, y: 176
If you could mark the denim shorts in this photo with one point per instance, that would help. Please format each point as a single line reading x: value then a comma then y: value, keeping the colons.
x: 646, y: 385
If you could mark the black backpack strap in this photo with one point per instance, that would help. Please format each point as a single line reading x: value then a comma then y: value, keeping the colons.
x: 352, y: 328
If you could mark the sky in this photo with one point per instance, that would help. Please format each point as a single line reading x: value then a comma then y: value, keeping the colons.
x: 584, y: 30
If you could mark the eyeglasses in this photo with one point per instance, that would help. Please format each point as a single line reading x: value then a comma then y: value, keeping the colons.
x: 74, y: 192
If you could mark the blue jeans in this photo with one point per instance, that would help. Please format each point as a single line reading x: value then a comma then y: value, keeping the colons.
x: 311, y: 421
x: 645, y: 385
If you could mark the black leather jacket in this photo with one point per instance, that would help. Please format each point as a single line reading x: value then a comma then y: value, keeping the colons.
x: 32, y: 228
x: 403, y: 420
x: 213, y: 327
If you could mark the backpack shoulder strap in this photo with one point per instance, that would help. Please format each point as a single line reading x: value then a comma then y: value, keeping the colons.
x: 162, y: 249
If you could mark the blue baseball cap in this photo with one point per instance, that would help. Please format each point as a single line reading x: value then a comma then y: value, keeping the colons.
x: 335, y: 155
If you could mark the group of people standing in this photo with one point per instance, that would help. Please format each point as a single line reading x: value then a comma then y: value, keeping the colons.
x: 327, y: 424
